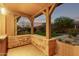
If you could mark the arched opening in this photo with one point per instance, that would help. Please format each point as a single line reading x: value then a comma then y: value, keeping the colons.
x: 40, y: 25
x: 64, y: 11
x: 23, y: 26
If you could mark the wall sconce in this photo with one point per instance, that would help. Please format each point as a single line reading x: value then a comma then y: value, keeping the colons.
x: 3, y: 11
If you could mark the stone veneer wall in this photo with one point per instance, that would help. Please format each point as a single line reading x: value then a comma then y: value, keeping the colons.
x: 19, y: 40
x: 41, y: 43
x: 47, y: 46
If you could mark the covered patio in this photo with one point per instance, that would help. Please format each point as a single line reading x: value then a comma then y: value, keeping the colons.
x: 46, y: 44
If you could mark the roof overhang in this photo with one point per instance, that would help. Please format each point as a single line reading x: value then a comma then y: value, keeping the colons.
x: 28, y: 9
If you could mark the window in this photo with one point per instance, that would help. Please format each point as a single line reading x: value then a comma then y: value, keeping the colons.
x: 23, y: 26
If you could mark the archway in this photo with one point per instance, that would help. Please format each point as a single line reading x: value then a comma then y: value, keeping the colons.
x: 23, y: 25
x: 40, y: 25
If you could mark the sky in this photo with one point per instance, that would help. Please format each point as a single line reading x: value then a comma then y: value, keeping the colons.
x: 23, y: 22
x: 69, y: 10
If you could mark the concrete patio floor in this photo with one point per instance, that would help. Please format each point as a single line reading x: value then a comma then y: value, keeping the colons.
x: 27, y: 50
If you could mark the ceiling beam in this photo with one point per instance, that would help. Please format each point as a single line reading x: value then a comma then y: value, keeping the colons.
x: 52, y: 8
x: 40, y: 12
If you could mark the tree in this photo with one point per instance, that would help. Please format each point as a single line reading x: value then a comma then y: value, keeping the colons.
x: 63, y: 23
x: 41, y: 30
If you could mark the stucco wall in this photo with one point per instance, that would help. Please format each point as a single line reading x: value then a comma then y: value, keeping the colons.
x: 65, y: 49
x: 52, y: 46
x: 10, y: 24
x: 15, y: 41
x: 2, y: 24
x: 76, y: 51
x: 7, y: 24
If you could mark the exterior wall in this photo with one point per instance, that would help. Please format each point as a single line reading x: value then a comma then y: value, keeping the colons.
x: 15, y: 41
x: 2, y: 24
x: 52, y: 46
x: 10, y: 24
x: 64, y: 49
x: 7, y: 24
x: 76, y: 51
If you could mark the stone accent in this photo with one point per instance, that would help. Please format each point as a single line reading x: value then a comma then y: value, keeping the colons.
x: 41, y: 43
x: 15, y: 41
x: 47, y: 46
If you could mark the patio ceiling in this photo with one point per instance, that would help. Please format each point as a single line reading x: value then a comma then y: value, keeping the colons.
x: 29, y: 9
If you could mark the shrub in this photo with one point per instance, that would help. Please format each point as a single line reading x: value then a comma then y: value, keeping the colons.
x: 73, y: 32
x: 62, y: 23
x: 40, y: 33
x: 54, y: 34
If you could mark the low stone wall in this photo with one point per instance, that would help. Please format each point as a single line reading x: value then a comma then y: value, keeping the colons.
x: 19, y: 40
x: 40, y: 42
x: 65, y: 49
x: 47, y: 46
